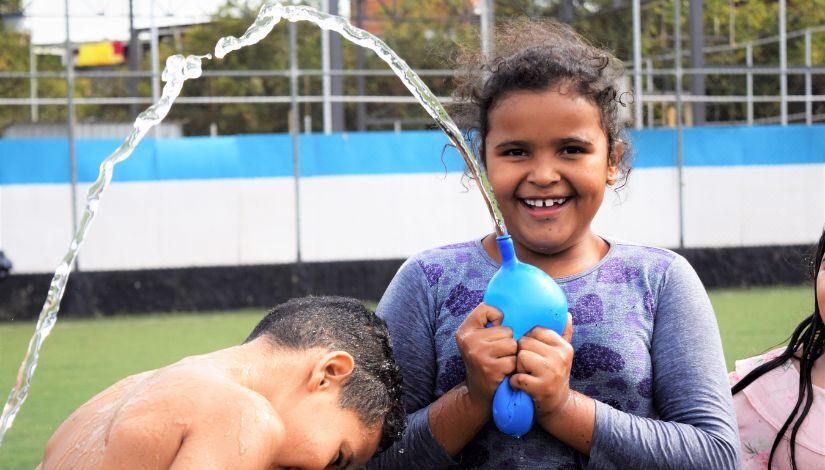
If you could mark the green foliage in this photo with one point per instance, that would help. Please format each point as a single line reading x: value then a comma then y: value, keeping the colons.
x: 10, y: 6
x: 426, y: 34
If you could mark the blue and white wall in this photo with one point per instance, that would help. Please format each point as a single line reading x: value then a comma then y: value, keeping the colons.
x: 231, y: 200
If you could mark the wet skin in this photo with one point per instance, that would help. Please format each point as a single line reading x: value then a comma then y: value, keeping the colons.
x: 252, y: 406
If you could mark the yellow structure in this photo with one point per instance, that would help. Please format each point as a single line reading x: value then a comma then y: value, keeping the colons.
x: 98, y: 54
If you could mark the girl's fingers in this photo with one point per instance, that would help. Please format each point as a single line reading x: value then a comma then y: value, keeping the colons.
x: 532, y: 363
x: 484, y: 314
x: 526, y: 382
x: 503, y: 347
x: 539, y: 336
x: 495, y: 333
x: 507, y: 365
x: 567, y: 334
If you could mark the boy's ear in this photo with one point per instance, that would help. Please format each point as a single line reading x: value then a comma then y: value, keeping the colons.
x: 613, y: 162
x: 331, y: 370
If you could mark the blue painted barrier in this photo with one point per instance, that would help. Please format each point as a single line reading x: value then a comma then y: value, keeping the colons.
x: 45, y: 161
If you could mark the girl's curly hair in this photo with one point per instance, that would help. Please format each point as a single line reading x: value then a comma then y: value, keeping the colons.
x: 535, y: 55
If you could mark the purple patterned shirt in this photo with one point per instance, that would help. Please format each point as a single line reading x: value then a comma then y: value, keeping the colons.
x: 646, y: 345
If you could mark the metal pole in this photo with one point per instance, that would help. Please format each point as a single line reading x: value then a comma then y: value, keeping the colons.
x: 361, y: 108
x: 155, y: 62
x: 487, y: 26
x: 70, y: 123
x: 33, y: 82
x: 134, y: 58
x: 155, y: 54
x: 566, y: 11
x: 650, y: 113
x: 783, y: 65
x: 808, y: 86
x: 749, y: 63
x: 294, y: 132
x: 336, y: 81
x: 697, y: 59
x: 637, y: 63
x: 677, y: 57
x: 325, y: 79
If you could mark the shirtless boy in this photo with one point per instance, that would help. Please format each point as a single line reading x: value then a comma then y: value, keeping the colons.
x: 314, y: 386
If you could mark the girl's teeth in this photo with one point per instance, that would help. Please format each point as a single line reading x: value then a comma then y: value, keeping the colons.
x: 544, y: 202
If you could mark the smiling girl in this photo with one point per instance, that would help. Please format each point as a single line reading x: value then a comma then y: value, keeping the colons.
x: 638, y: 379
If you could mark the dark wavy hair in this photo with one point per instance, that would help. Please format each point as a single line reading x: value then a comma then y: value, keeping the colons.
x: 535, y: 55
x: 806, y: 344
x: 374, y: 389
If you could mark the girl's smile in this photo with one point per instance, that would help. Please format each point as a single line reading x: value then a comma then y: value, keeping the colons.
x: 547, y: 160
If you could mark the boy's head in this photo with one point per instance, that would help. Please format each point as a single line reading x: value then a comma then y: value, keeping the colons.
x: 372, y: 387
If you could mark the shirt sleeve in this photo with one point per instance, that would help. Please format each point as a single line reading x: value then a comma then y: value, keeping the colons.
x: 406, y: 307
x: 696, y: 428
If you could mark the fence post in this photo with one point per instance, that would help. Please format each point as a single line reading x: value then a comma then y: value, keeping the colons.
x: 808, y: 87
x: 749, y: 63
x: 294, y: 133
x: 326, y: 79
x: 33, y: 82
x: 70, y: 124
x: 677, y: 58
x: 637, y: 64
x: 783, y: 66
x: 650, y: 113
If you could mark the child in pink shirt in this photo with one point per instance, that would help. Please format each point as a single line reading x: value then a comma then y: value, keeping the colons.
x: 781, y: 407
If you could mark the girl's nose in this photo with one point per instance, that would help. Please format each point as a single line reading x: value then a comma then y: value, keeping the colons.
x: 544, y: 172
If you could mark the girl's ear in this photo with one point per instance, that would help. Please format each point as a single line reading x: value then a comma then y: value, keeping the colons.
x: 613, y: 162
x: 332, y: 369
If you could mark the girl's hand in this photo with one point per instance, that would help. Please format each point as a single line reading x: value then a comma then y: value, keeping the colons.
x: 489, y: 354
x: 543, y: 367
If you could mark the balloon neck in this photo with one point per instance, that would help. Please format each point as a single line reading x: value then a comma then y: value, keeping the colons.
x: 508, y: 252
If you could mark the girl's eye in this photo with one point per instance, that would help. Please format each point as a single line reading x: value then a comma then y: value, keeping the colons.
x: 572, y: 150
x: 515, y: 152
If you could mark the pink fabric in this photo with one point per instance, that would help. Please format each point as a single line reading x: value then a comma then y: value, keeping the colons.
x: 763, y: 407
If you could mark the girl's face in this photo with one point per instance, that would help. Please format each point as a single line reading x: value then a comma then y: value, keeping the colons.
x: 546, y: 157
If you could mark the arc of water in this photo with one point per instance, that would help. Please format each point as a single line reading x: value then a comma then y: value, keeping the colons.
x: 273, y: 11
x: 178, y: 70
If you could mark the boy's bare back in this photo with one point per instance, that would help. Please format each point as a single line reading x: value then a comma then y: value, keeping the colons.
x: 296, y: 371
x: 191, y: 414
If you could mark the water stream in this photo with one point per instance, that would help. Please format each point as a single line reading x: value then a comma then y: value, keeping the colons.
x: 179, y: 69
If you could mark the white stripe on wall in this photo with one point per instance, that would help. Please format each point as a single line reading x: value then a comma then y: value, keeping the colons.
x: 164, y: 224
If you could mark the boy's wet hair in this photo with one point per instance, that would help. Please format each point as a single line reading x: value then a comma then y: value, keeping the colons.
x: 536, y: 55
x: 374, y: 390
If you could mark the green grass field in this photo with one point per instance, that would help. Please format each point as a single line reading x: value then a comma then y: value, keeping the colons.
x: 81, y: 357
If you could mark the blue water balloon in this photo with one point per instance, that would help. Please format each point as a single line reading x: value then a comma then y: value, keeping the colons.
x: 527, y: 297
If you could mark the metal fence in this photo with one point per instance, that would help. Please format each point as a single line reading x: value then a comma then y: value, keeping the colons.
x: 660, y: 97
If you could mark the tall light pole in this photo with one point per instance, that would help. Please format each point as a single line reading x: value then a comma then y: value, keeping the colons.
x: 697, y: 58
x: 134, y: 59
x: 637, y: 64
x: 70, y: 122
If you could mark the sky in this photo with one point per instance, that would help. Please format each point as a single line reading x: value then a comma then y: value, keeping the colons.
x: 99, y: 20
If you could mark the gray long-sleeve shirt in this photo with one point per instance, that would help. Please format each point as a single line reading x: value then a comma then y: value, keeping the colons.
x: 647, y: 349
